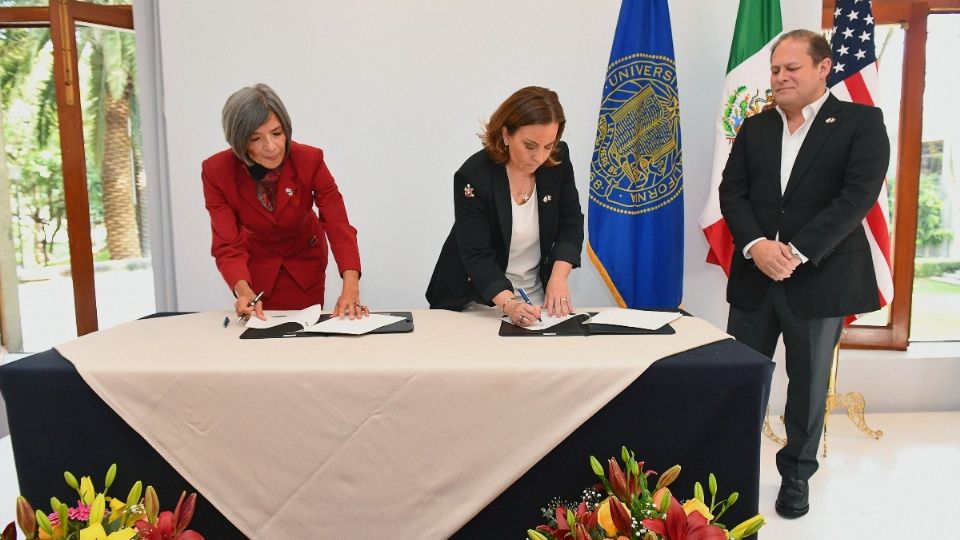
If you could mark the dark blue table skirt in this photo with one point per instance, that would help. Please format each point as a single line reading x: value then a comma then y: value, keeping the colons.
x: 702, y: 409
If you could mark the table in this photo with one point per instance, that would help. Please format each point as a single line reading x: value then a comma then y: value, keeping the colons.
x: 702, y: 408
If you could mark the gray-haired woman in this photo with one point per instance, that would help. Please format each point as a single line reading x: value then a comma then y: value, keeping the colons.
x: 261, y: 194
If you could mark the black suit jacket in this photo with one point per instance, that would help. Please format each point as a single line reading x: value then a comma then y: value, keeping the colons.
x: 835, y: 181
x: 473, y: 260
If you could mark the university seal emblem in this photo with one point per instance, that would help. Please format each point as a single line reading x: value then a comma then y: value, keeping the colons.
x: 636, y: 167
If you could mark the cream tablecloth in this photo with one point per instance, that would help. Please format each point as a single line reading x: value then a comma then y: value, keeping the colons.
x: 401, y: 436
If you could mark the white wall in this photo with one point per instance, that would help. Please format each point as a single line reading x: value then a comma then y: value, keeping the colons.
x: 395, y: 93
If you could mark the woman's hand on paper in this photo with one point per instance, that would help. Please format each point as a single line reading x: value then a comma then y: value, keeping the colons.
x: 348, y: 304
x: 557, y: 299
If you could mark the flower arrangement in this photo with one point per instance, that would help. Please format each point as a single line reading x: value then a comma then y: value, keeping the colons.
x: 623, y: 507
x: 98, y: 516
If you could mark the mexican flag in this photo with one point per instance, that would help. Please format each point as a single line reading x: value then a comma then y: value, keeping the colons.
x: 746, y: 91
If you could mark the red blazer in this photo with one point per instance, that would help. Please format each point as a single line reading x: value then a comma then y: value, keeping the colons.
x: 251, y: 243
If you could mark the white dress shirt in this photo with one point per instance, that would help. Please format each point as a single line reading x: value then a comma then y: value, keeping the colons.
x: 789, y: 148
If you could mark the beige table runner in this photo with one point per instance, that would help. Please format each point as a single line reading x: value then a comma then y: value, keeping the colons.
x: 401, y: 436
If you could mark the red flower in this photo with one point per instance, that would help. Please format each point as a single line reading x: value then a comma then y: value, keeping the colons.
x: 171, y: 526
x: 621, y: 516
x: 581, y: 517
x: 679, y: 526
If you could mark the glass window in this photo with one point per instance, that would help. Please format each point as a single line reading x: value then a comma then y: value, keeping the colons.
x: 936, y: 287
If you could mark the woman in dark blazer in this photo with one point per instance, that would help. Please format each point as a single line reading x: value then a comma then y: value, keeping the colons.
x: 261, y: 195
x: 517, y: 219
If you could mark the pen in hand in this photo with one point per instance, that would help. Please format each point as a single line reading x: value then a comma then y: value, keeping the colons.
x: 523, y: 294
x: 252, y: 304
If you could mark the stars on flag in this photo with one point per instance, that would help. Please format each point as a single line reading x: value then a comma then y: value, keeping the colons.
x: 854, y: 31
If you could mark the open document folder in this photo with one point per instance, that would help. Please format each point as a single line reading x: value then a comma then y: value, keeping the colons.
x: 587, y: 324
x: 310, y: 322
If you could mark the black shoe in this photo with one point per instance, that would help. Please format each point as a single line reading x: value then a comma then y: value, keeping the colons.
x: 792, y: 501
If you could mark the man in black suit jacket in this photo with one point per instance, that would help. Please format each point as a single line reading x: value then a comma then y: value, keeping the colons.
x: 799, y: 181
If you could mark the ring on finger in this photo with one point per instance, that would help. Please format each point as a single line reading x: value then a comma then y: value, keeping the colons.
x: 563, y: 300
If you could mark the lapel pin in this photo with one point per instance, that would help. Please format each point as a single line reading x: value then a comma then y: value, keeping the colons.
x: 289, y: 192
x: 547, y: 198
x: 830, y: 120
x: 468, y: 191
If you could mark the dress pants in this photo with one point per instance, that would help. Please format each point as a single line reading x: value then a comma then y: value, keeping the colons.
x: 809, y: 347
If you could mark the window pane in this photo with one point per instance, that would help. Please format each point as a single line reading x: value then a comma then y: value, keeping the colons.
x: 24, y: 3
x: 936, y: 286
x: 115, y: 176
x: 38, y: 257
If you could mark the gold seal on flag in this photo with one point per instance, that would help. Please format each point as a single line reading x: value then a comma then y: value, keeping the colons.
x: 636, y: 166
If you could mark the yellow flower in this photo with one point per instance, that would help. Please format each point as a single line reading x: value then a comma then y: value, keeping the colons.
x: 605, y: 519
x: 748, y: 527
x: 116, y: 509
x: 86, y: 490
x: 696, y: 505
x: 96, y: 532
x: 96, y: 510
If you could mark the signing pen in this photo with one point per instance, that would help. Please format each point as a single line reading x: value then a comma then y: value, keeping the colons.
x: 523, y: 294
x: 252, y: 304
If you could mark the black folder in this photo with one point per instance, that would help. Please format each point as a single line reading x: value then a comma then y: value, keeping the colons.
x: 574, y: 327
x: 292, y: 329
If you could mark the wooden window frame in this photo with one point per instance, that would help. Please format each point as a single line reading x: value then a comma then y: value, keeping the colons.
x: 62, y: 16
x: 912, y: 15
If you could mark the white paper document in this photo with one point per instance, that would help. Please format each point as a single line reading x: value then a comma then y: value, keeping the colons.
x: 363, y: 325
x: 634, y: 318
x: 304, y: 317
x: 548, y: 321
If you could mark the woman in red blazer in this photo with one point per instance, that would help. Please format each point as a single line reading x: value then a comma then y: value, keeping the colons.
x: 261, y: 195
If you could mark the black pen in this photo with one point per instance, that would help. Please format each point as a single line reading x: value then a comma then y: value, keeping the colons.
x: 523, y: 294
x: 252, y: 304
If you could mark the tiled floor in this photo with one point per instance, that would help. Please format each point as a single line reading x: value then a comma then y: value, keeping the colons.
x: 902, y: 486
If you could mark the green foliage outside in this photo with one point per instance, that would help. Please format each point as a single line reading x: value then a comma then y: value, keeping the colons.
x: 32, y: 143
x: 924, y: 268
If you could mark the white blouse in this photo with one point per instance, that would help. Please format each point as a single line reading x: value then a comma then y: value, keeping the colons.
x: 524, y: 263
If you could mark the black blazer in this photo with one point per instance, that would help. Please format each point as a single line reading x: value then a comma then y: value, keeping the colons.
x: 473, y: 260
x: 835, y: 181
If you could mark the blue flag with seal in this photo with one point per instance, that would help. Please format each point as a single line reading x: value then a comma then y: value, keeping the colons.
x: 636, y: 177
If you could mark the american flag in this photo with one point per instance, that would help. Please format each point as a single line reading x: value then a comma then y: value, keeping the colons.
x: 854, y: 78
